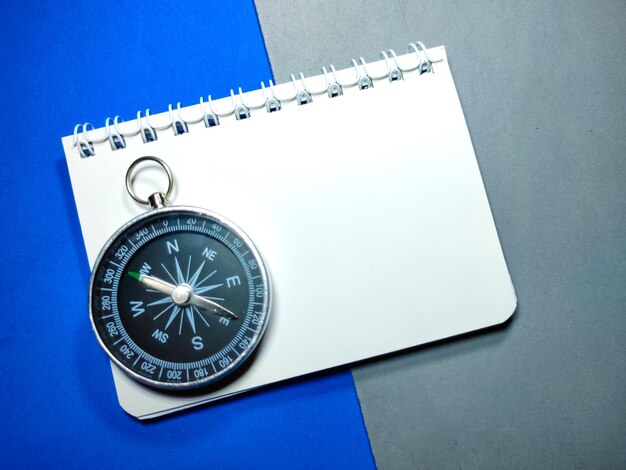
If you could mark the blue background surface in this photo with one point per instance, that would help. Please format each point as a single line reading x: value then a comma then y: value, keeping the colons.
x: 63, y: 64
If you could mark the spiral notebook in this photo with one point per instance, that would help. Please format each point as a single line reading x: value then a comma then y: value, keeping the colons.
x: 359, y: 186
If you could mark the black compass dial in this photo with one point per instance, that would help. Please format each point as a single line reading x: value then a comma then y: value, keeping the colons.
x: 179, y: 298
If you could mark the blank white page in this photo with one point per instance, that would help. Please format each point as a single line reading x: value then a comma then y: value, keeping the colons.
x: 368, y: 208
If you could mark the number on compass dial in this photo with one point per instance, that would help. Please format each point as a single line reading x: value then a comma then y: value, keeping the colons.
x: 179, y: 298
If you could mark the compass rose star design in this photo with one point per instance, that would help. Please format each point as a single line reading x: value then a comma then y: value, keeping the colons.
x: 184, y: 295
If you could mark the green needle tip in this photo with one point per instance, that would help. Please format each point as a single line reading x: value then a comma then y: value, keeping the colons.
x: 134, y: 275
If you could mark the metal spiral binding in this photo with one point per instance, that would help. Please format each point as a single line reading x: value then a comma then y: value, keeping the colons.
x: 86, y: 137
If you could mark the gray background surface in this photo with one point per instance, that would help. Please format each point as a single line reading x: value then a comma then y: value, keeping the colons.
x: 543, y: 87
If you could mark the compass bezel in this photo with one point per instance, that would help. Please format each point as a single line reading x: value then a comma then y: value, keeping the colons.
x: 265, y: 308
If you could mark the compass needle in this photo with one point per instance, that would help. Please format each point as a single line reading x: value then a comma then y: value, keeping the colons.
x: 153, y: 282
x: 189, y: 270
x: 209, y: 305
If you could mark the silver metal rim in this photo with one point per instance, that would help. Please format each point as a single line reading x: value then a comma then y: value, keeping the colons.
x: 266, y: 309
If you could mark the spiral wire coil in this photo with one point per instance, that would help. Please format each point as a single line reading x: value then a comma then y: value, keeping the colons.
x: 85, y: 136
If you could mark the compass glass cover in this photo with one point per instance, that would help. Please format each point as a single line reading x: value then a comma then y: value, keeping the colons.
x: 179, y: 298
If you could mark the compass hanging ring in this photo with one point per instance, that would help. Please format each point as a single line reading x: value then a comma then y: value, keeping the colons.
x: 157, y: 199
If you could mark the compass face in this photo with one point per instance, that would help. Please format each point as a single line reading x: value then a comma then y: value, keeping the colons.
x: 179, y: 298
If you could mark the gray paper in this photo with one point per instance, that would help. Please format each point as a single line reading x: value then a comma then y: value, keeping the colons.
x: 543, y: 88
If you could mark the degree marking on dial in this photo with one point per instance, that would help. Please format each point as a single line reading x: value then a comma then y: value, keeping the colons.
x: 160, y: 372
x: 121, y: 339
x: 137, y: 360
x: 114, y: 263
x: 108, y: 289
x: 108, y: 316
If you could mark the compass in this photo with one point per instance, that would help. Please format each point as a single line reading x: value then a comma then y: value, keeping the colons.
x: 179, y: 296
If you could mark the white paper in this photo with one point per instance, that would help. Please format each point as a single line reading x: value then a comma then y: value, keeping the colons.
x: 368, y: 208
